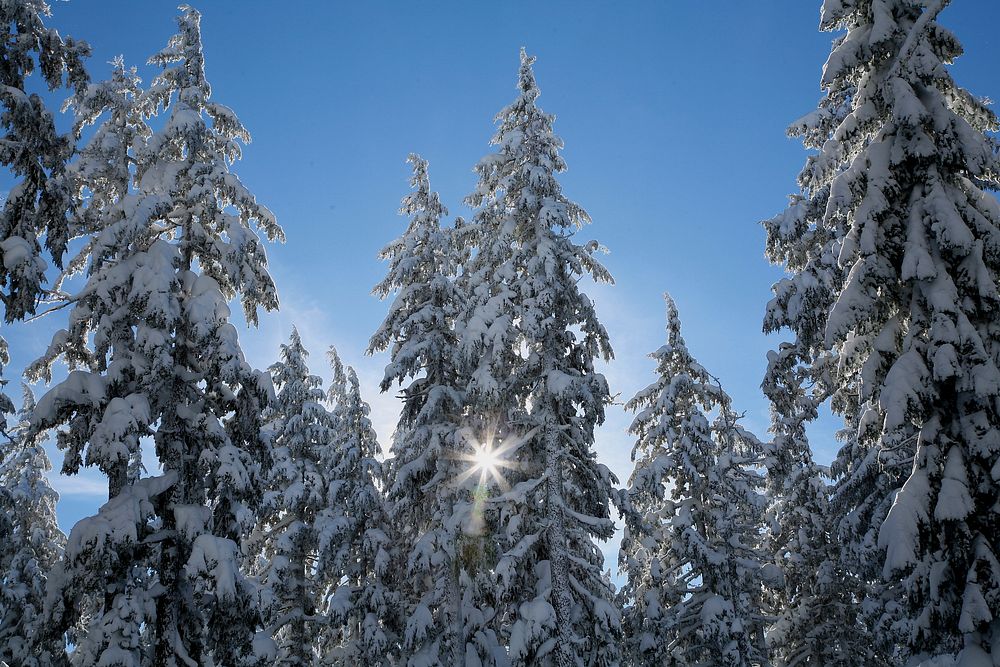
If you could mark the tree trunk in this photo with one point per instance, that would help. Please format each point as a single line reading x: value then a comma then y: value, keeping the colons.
x: 558, y: 558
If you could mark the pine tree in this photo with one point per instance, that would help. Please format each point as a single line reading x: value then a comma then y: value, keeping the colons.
x: 356, y: 548
x: 816, y: 602
x: 694, y: 569
x: 30, y: 545
x: 101, y: 183
x: 32, y: 150
x: 296, y: 508
x: 35, y: 156
x: 207, y: 606
x: 833, y: 567
x: 153, y: 354
x: 912, y: 328
x: 98, y: 583
x: 530, y: 337
x: 428, y: 484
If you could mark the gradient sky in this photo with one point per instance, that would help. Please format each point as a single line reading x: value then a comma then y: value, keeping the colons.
x: 673, y: 114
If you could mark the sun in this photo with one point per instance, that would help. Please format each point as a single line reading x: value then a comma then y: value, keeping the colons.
x: 486, y: 459
x: 490, y: 456
x: 489, y: 460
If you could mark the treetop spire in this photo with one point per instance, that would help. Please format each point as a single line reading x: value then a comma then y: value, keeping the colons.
x: 526, y: 75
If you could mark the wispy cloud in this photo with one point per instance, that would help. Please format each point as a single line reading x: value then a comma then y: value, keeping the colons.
x: 81, y: 485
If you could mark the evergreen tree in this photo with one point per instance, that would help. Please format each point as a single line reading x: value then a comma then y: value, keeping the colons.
x: 355, y: 549
x: 429, y: 488
x: 100, y: 587
x: 912, y: 327
x: 694, y: 570
x: 33, y: 151
x: 30, y: 546
x: 833, y: 567
x: 296, y: 508
x: 153, y: 353
x: 101, y: 183
x: 816, y: 602
x: 530, y: 338
x: 35, y: 156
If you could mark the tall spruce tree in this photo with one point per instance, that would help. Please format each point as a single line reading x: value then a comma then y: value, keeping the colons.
x: 912, y: 329
x: 32, y: 543
x: 296, y: 508
x: 153, y: 354
x: 530, y: 338
x: 429, y: 486
x: 356, y: 547
x: 825, y: 546
x: 691, y: 548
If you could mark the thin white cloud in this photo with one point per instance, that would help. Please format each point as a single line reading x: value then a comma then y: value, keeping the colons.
x: 80, y: 485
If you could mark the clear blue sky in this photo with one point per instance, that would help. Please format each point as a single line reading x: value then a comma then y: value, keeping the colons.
x: 673, y: 114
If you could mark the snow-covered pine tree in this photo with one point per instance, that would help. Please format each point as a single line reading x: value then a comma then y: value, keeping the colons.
x: 530, y: 338
x: 95, y: 594
x: 816, y: 603
x: 152, y: 353
x: 295, y: 508
x: 31, y: 544
x: 913, y: 328
x: 100, y: 181
x: 428, y: 487
x: 695, y: 576
x: 35, y: 156
x: 218, y: 256
x: 33, y: 151
x: 355, y: 546
x: 803, y: 374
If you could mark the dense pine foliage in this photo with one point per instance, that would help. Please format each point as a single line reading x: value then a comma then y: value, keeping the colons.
x: 253, y: 517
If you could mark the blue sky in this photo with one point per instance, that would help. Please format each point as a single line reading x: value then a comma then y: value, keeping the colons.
x: 673, y: 114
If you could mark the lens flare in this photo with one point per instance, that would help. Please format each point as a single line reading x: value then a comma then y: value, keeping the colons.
x: 486, y: 460
x: 488, y: 456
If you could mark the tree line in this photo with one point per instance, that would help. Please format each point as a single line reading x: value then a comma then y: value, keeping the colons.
x: 274, y: 532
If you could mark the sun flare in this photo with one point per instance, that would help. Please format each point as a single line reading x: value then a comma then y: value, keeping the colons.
x: 489, y: 456
x: 486, y: 459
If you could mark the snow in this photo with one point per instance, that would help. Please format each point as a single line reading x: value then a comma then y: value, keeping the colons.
x: 215, y: 558
x: 954, y: 502
x: 692, y: 552
x: 16, y: 250
x: 117, y: 522
x: 273, y: 531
